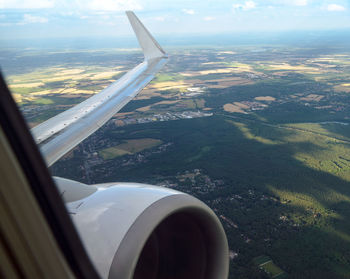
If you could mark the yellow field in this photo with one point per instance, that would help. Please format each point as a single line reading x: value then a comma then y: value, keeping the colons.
x: 224, y: 70
x: 18, y: 97
x: 265, y: 98
x: 69, y: 72
x: 231, y: 68
x: 104, y: 75
x: 27, y: 85
x: 243, y: 106
x: 345, y: 87
x: 123, y: 114
x: 76, y: 91
x: 312, y: 97
x: 339, y: 59
x: 32, y: 86
x: 129, y: 147
x: 167, y: 85
x: 233, y: 108
x: 286, y: 66
x: 144, y: 109
x: 41, y: 93
x: 166, y: 102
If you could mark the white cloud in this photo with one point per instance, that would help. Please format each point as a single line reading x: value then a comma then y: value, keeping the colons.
x: 68, y: 13
x: 248, y: 5
x: 114, y: 5
x: 26, y: 4
x: 159, y: 18
x: 278, y: 3
x: 27, y: 19
x: 209, y: 18
x: 335, y: 8
x: 188, y: 11
x: 300, y: 2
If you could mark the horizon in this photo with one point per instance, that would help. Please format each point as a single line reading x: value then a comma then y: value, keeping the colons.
x: 308, y: 38
x: 28, y: 19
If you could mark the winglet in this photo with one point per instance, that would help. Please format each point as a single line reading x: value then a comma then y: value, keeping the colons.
x: 151, y: 49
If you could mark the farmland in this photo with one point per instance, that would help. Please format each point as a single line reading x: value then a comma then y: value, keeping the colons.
x: 129, y: 147
x: 260, y: 134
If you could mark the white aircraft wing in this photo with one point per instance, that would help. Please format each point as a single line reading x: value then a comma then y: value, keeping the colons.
x: 132, y: 230
x: 60, y: 134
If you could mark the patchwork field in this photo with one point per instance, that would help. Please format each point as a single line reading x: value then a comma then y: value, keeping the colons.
x: 129, y: 147
x: 272, y: 158
x: 233, y: 108
x: 57, y: 81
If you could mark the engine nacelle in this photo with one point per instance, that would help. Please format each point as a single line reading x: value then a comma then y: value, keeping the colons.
x: 137, y: 231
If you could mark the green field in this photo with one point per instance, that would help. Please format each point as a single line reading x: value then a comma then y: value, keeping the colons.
x: 266, y: 264
x: 161, y: 77
x: 272, y: 270
x: 129, y: 147
x: 280, y: 172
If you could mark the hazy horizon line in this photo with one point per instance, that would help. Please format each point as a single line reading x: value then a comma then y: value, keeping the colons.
x: 339, y: 36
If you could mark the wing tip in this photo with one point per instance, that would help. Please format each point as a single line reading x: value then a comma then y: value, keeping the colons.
x: 150, y: 47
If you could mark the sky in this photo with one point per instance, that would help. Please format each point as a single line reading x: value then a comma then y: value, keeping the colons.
x: 86, y: 18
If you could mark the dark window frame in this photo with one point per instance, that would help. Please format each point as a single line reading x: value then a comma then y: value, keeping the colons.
x: 42, y: 185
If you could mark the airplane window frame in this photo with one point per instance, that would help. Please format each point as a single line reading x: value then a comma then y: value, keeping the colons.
x: 42, y: 185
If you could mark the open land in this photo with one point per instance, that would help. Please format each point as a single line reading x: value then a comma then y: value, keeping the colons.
x: 262, y: 135
x: 129, y: 147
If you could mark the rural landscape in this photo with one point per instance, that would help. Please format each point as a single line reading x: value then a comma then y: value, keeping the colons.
x: 260, y: 133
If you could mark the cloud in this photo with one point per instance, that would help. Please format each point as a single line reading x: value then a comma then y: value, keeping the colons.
x: 159, y: 18
x: 27, y: 19
x: 300, y: 2
x: 26, y: 4
x: 248, y: 5
x: 335, y: 8
x: 114, y: 5
x: 67, y: 13
x: 188, y: 11
x: 281, y: 3
x: 209, y: 18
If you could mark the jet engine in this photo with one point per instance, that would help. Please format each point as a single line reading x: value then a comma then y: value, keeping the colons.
x: 133, y: 230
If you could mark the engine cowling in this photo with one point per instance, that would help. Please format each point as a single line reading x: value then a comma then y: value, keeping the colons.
x: 133, y: 230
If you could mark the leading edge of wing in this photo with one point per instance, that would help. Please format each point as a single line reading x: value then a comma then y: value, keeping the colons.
x: 150, y: 47
x: 60, y: 134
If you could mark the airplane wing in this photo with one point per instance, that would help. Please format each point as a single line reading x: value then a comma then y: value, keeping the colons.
x: 128, y: 230
x: 60, y: 134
